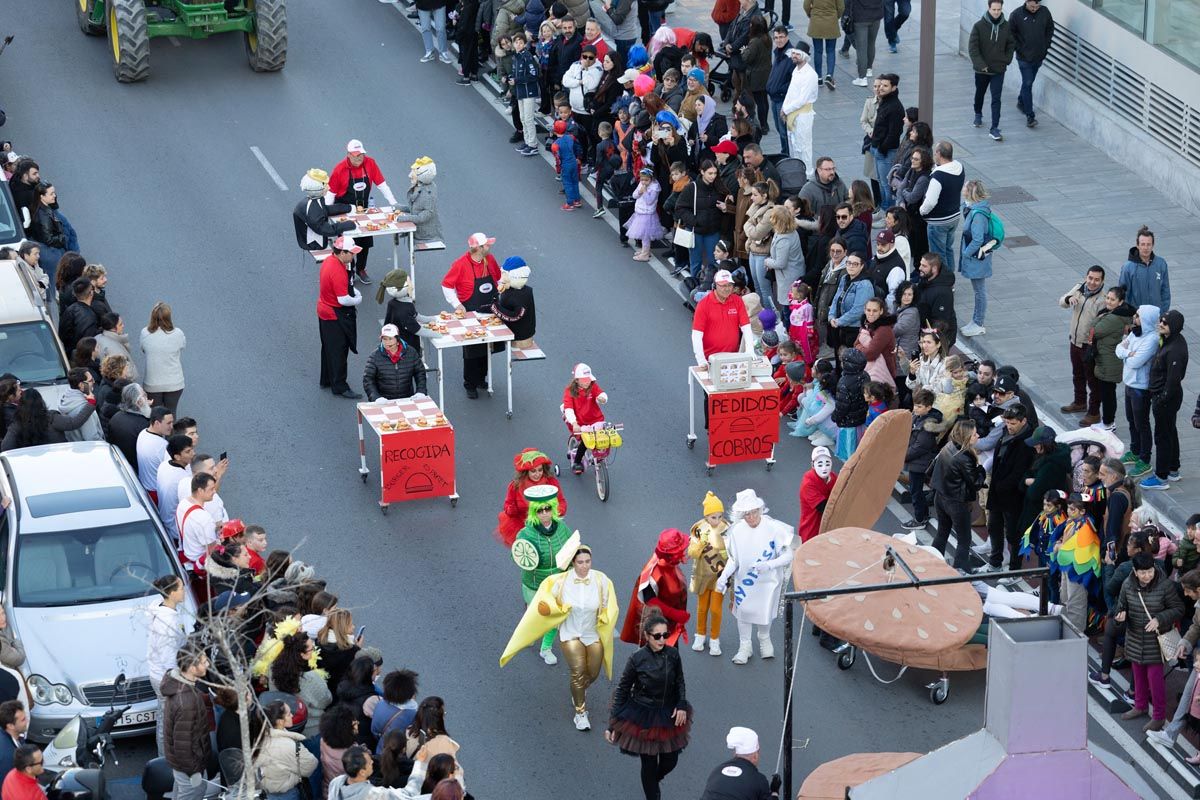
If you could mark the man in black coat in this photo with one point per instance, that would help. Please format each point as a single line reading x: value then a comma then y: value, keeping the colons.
x: 885, y: 137
x: 1006, y: 495
x: 935, y: 297
x: 1167, y: 370
x: 739, y: 778
x: 23, y: 186
x: 1032, y: 28
x: 79, y: 319
x: 564, y: 51
x: 394, y: 370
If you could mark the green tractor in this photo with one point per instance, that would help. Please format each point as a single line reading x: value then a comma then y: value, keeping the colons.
x: 131, y: 24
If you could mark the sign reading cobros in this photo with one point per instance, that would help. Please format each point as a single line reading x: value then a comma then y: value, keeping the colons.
x: 742, y: 426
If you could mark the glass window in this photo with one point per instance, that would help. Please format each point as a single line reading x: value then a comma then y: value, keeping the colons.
x: 77, y: 500
x: 1130, y: 13
x: 91, y: 565
x: 29, y: 351
x: 9, y: 230
x: 1175, y: 27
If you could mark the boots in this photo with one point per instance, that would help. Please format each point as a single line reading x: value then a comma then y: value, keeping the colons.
x: 698, y: 644
x: 744, y: 652
x: 765, y: 648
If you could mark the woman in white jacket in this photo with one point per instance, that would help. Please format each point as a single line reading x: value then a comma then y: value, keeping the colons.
x: 163, y: 345
x: 282, y: 759
x: 165, y: 636
x: 928, y: 370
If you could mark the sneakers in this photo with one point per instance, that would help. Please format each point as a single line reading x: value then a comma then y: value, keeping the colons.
x: 599, y: 212
x: 1154, y: 726
x: 1104, y: 426
x: 1157, y: 736
x: 576, y: 469
x: 982, y: 549
x: 869, y: 73
x: 1138, y: 468
x: 1088, y: 419
x: 1099, y: 679
x: 1154, y: 483
x: 445, y: 58
x: 517, y: 136
x: 996, y: 135
x: 1075, y: 408
x: 582, y: 723
x: 893, y: 48
x: 363, y: 278
x: 1031, y: 122
x: 568, y: 206
x: 1128, y: 458
x: 978, y: 123
x: 765, y: 648
x: 698, y: 645
x: 971, y: 329
x: 985, y: 569
x: 743, y: 654
x: 859, y: 81
x: 714, y: 647
x: 1174, y: 476
x: 830, y: 83
x: 463, y: 80
x: 578, y: 204
x: 529, y: 151
x: 549, y: 657
x: 914, y: 524
x: 425, y: 59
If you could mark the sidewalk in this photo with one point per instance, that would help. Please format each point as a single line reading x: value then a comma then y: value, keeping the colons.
x: 1065, y: 206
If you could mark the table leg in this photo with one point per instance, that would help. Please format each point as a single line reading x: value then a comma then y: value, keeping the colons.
x: 412, y: 253
x: 691, y: 437
x: 441, y: 385
x: 489, y: 372
x: 508, y: 375
x: 396, y: 251
x: 771, y: 459
x: 362, y: 450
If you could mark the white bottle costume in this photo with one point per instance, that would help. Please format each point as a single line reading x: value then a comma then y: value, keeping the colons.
x: 760, y: 554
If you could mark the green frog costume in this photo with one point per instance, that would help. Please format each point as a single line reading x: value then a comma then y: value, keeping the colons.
x: 540, y: 550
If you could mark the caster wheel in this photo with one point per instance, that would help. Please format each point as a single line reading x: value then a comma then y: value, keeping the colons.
x: 556, y: 471
x: 508, y: 414
x: 691, y: 444
x: 769, y: 465
x: 364, y: 477
x: 383, y: 510
x: 708, y: 471
x: 846, y: 660
x: 453, y: 502
x: 938, y: 693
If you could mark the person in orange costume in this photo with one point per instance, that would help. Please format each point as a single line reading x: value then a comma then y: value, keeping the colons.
x: 533, y: 469
x: 661, y: 584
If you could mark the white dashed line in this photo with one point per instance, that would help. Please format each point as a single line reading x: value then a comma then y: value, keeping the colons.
x: 270, y: 170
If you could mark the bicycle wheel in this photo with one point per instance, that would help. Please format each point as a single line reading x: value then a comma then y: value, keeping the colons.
x: 602, y: 481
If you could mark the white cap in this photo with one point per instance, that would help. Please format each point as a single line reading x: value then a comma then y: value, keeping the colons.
x: 723, y: 276
x: 821, y: 452
x: 389, y: 330
x: 629, y: 75
x: 480, y: 239
x: 742, y: 741
x: 583, y: 371
x: 346, y: 243
x: 355, y: 146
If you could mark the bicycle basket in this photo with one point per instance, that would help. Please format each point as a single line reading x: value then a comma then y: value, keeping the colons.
x: 601, y: 439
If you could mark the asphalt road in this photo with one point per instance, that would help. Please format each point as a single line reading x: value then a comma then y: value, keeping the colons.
x: 161, y: 183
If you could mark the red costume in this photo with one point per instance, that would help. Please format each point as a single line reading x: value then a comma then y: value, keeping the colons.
x: 814, y: 494
x: 585, y: 404
x: 661, y: 584
x: 516, y: 508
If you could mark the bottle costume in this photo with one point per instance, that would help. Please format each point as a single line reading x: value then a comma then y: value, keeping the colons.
x: 759, y: 558
x: 585, y: 612
x: 660, y: 584
x: 815, y: 488
x: 515, y: 513
x: 539, y: 550
x: 515, y: 306
x: 708, y: 550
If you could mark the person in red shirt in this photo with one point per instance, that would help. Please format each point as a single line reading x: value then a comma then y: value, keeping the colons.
x: 21, y: 781
x: 337, y: 318
x: 720, y: 325
x: 815, y: 488
x: 581, y: 406
x: 350, y: 182
x: 470, y: 285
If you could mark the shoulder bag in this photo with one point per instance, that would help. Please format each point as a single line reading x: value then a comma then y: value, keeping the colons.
x: 1168, y: 641
x: 304, y: 787
x: 684, y: 237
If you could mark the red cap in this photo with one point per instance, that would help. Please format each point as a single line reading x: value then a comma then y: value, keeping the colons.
x: 726, y: 146
x: 235, y: 527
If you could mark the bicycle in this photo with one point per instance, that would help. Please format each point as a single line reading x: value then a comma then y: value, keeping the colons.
x: 601, y: 442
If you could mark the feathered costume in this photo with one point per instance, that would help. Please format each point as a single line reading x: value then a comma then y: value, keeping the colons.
x: 1079, y: 555
x: 661, y: 584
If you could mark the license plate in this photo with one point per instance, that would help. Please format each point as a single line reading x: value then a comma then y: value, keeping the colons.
x: 134, y: 718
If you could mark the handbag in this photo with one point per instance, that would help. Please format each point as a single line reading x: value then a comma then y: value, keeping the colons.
x: 847, y: 23
x: 683, y: 237
x: 1168, y: 642
x: 304, y: 787
x: 1089, y: 350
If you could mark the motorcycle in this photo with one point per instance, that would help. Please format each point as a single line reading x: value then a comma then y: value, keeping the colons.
x: 75, y: 759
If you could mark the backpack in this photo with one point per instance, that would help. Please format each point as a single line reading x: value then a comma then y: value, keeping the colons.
x: 995, y: 234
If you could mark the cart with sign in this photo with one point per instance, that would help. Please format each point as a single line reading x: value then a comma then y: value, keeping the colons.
x: 470, y: 328
x: 743, y: 409
x: 416, y: 450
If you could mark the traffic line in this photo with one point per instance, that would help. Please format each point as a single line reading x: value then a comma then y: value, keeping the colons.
x: 174, y: 40
x: 270, y: 170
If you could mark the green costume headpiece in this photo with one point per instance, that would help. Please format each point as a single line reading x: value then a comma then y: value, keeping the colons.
x: 539, y: 497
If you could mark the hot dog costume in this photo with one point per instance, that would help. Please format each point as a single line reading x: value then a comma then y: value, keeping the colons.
x: 660, y: 584
x: 515, y: 513
x: 708, y: 550
x: 759, y: 560
x: 537, y: 550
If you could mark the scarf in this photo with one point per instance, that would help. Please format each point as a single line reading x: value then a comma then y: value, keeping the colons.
x: 710, y: 110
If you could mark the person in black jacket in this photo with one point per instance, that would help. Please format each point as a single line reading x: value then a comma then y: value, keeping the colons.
x: 935, y: 298
x: 402, y: 311
x: 696, y: 210
x: 515, y: 306
x: 1167, y: 370
x: 1006, y: 493
x: 1032, y: 29
x: 34, y: 424
x: 851, y: 229
x: 310, y: 217
x: 78, y: 319
x: 651, y: 717
x: 885, y: 137
x: 922, y: 447
x: 131, y: 419
x: 991, y: 47
x: 565, y: 51
x: 394, y: 369
x: 526, y: 90
x: 45, y: 227
x: 956, y: 479
x: 778, y: 82
x: 23, y: 186
x: 739, y: 778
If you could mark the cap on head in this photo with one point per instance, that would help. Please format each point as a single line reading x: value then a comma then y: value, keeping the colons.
x: 480, y: 239
x: 726, y: 146
x: 354, y: 146
x: 885, y: 237
x: 390, y: 331
x: 820, y: 452
x: 1005, y: 383
x: 1043, y: 435
x: 742, y: 741
x: 723, y: 276
x: 583, y: 371
x: 346, y: 243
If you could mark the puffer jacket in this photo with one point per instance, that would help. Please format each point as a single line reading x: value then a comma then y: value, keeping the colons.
x: 506, y: 20
x: 422, y: 210
x: 696, y: 208
x: 922, y: 442
x: 187, y: 713
x: 757, y: 230
x: 956, y: 475
x: 404, y: 378
x: 1137, y: 350
x: 283, y: 761
x: 850, y: 407
x: 1162, y: 601
x: 975, y: 235
x: 1107, y: 333
x: 531, y: 18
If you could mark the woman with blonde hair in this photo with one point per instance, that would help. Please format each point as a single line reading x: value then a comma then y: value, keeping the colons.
x: 756, y: 233
x: 786, y: 258
x: 337, y: 644
x: 956, y: 478
x: 975, y: 259
x: 163, y: 345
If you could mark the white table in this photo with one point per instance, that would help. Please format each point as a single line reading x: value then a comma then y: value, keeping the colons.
x: 382, y: 216
x: 455, y: 337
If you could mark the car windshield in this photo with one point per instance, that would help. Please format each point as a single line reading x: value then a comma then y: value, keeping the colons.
x: 90, y: 565
x: 28, y: 350
x: 9, y: 232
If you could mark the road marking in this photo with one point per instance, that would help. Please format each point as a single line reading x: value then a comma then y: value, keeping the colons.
x: 270, y: 170
x: 174, y: 40
x: 1144, y: 760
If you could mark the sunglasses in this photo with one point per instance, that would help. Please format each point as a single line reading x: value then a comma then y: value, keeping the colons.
x: 843, y: 216
x: 587, y: 58
x: 658, y: 637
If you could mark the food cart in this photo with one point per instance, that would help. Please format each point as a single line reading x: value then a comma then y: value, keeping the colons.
x: 743, y: 420
x: 416, y: 450
x: 469, y: 328
x: 375, y: 222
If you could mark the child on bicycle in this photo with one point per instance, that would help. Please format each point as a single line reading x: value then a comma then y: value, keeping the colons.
x: 581, y: 406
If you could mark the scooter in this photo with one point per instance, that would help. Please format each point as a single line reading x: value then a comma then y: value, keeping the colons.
x: 76, y: 757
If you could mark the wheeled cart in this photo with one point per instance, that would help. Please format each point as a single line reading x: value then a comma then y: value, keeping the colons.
x: 743, y: 424
x: 416, y: 450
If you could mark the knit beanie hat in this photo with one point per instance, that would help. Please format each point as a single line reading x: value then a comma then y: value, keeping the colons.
x: 712, y: 504
x: 795, y: 371
x: 394, y: 279
x: 770, y: 338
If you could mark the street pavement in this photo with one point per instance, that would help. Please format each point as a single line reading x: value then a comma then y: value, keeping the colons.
x: 160, y: 180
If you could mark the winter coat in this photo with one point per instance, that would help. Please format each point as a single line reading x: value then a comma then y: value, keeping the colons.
x: 824, y: 18
x: 935, y: 301
x: 788, y: 257
x: 59, y: 425
x: 821, y: 195
x: 531, y: 18
x: 1167, y: 370
x: 850, y: 300
x: 404, y: 378
x: 187, y: 719
x: 652, y: 680
x: 78, y: 321
x: 705, y: 217
x: 907, y: 331
x: 889, y: 124
x: 758, y: 63
x: 422, y: 210
x: 956, y: 474
x: 738, y: 36
x: 866, y: 10
x: 756, y: 230
x: 975, y: 235
x: 856, y: 235
x: 1010, y: 462
x: 1083, y: 313
x: 579, y: 10
x: 123, y: 430
x: 912, y: 191
x: 780, y: 76
x: 111, y: 343
x: 1032, y: 32
x: 1146, y: 283
x: 1137, y: 351
x: 624, y: 20
x: 46, y: 228
x: 315, y: 694
x: 582, y: 82
x: 12, y: 652
x: 506, y: 20
x: 284, y: 761
x: 71, y: 404
x: 1107, y: 333
x: 991, y: 45
x: 922, y: 441
x: 563, y: 53
x: 1161, y: 599
x: 850, y: 407
x: 879, y: 342
x: 525, y: 72
x: 1051, y: 471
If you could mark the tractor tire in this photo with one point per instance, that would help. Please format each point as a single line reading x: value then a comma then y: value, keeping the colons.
x: 129, y: 39
x: 83, y: 13
x: 266, y: 48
